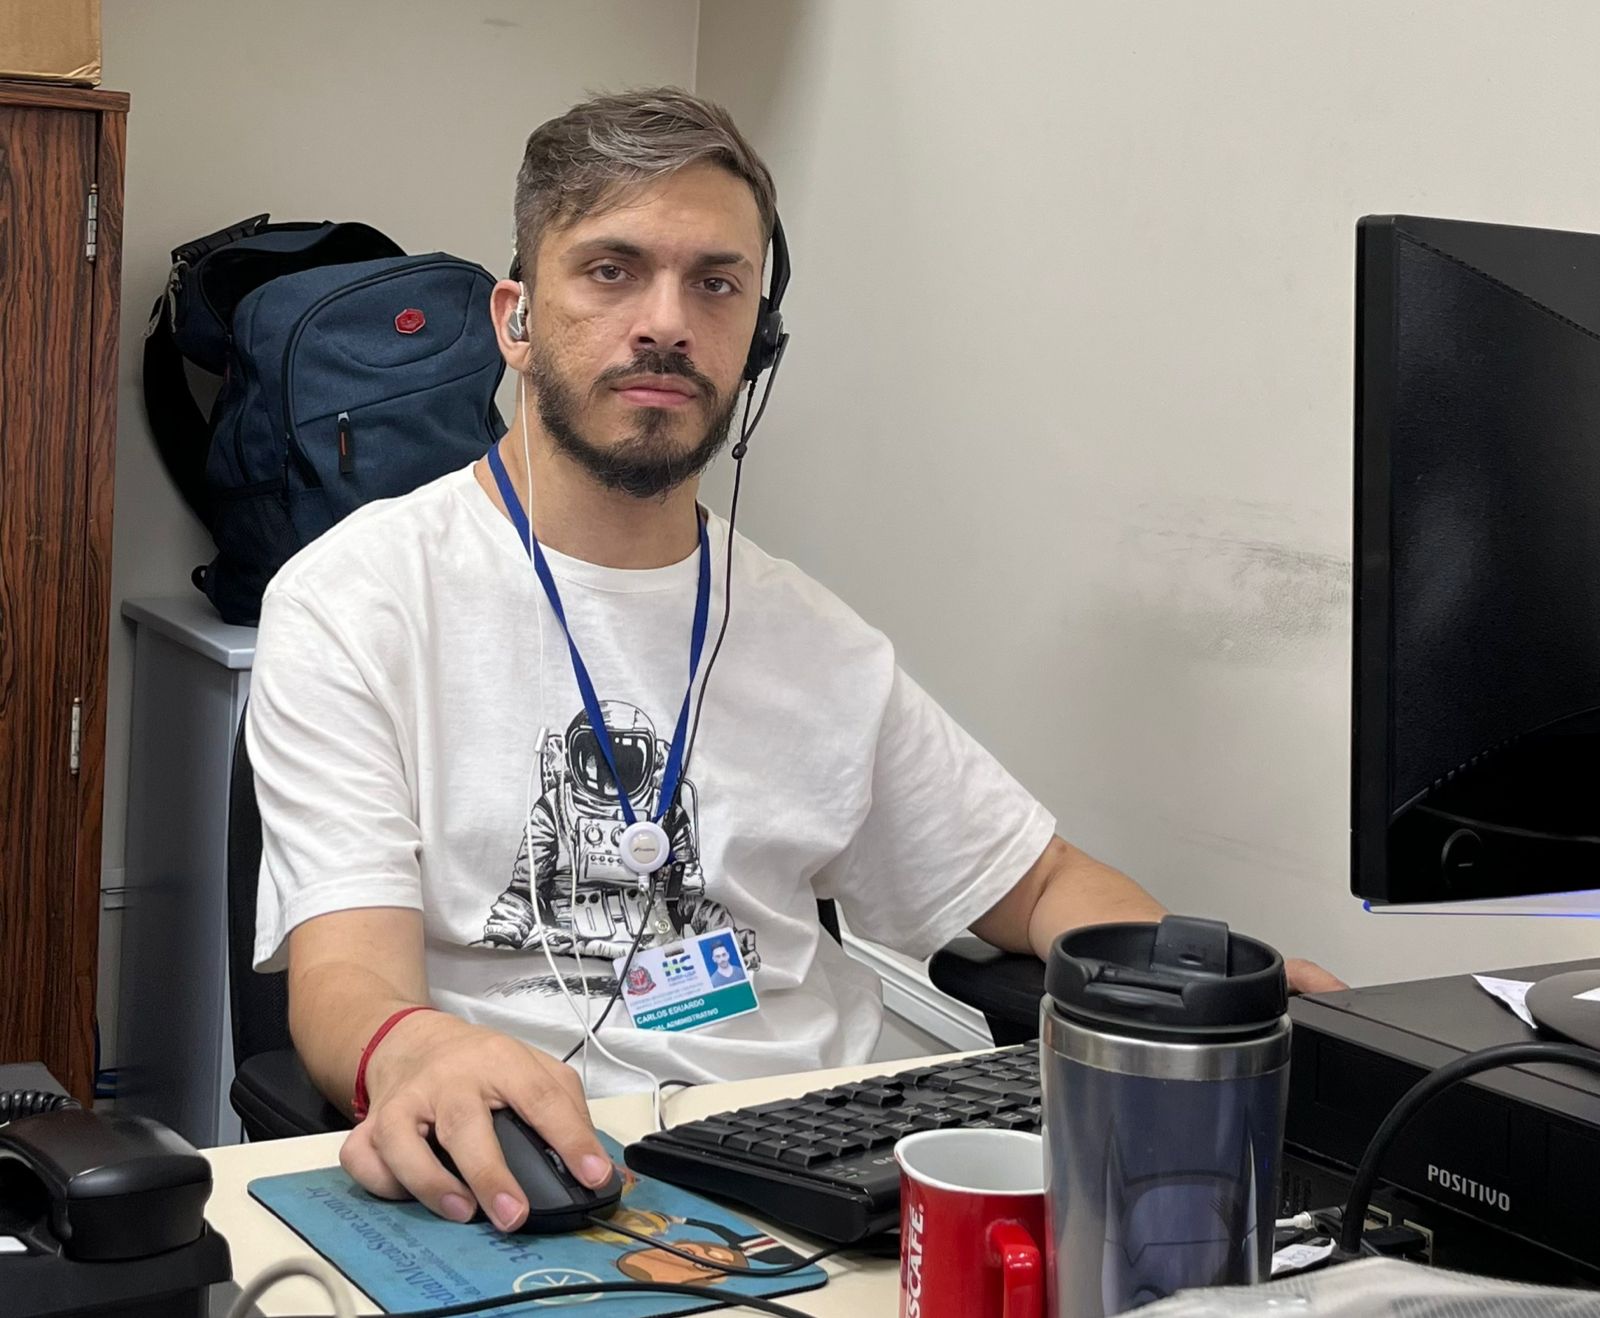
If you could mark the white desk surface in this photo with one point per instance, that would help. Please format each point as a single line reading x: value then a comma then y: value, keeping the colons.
x: 858, y: 1287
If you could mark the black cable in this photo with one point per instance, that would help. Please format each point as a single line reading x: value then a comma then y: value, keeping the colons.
x: 616, y: 993
x: 1435, y: 1082
x: 772, y: 376
x: 544, y: 1294
x: 17, y: 1103
x: 746, y: 429
x: 780, y: 1270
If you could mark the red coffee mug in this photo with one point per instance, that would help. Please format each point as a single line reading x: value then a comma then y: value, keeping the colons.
x: 971, y: 1224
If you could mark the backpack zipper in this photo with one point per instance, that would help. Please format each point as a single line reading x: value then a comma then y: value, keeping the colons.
x: 308, y: 473
x: 347, y: 460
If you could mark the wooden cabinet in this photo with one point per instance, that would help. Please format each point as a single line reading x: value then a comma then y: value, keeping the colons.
x: 61, y: 155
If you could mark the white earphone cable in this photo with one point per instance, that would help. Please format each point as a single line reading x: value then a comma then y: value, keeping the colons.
x: 582, y: 1016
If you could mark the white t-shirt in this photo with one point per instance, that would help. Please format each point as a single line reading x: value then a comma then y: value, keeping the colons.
x: 406, y: 667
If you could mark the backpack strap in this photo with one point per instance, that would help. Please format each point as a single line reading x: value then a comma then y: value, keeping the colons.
x: 180, y: 428
x: 191, y: 252
x: 182, y: 434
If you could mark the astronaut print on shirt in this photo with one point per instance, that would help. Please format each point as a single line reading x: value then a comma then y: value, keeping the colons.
x: 572, y: 892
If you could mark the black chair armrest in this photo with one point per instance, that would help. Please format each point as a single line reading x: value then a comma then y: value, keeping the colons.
x: 276, y: 1099
x: 1004, y: 986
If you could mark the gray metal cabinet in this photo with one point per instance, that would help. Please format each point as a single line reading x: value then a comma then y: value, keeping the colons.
x: 191, y: 677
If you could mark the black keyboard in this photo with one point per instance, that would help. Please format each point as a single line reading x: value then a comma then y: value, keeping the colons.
x: 824, y: 1163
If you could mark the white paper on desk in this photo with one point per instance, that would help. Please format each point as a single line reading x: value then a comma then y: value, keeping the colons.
x: 1292, y: 1258
x: 1593, y: 995
x: 1512, y: 992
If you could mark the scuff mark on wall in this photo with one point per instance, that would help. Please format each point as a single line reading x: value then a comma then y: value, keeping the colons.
x: 1231, y: 579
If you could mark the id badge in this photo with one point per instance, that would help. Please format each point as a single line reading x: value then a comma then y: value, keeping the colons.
x: 689, y: 985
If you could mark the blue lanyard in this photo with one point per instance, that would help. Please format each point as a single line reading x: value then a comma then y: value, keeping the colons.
x: 591, y: 702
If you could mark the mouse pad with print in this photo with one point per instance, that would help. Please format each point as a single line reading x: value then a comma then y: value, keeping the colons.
x: 405, y: 1258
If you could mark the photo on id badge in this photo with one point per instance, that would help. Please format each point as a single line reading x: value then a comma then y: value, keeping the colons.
x: 722, y: 960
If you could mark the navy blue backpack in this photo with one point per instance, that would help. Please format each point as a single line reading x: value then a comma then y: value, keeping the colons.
x: 350, y: 373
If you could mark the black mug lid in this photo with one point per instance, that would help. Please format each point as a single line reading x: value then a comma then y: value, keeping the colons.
x: 1184, y: 977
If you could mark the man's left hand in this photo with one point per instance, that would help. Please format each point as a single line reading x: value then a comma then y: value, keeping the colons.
x: 1065, y: 889
x: 1308, y: 977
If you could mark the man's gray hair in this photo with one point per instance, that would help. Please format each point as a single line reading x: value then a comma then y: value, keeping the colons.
x: 605, y: 146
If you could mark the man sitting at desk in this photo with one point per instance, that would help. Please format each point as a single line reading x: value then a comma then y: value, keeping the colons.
x: 462, y: 810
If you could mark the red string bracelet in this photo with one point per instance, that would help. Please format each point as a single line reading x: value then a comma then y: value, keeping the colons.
x: 360, y: 1104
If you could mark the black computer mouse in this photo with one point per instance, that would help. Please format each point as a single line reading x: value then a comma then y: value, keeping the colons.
x: 557, y: 1200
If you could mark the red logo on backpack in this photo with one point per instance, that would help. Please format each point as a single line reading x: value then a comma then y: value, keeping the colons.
x: 409, y: 321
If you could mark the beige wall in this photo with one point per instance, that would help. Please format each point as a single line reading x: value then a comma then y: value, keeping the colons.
x: 1068, y: 406
x: 408, y: 114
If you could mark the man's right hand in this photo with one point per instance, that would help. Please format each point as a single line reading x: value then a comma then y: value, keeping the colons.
x: 435, y: 1072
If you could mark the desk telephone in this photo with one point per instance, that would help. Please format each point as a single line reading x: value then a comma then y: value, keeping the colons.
x: 101, y: 1215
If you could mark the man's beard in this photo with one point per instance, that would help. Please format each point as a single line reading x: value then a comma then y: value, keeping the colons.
x: 648, y: 462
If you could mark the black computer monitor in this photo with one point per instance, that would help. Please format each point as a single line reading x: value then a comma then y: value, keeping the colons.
x: 1476, y: 719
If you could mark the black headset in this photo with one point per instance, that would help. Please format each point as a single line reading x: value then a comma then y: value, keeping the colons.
x: 766, y: 344
x: 768, y: 340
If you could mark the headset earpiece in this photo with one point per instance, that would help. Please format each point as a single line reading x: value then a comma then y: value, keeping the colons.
x: 769, y: 336
x: 764, y: 343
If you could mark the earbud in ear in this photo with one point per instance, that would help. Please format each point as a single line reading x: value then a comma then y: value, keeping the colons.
x: 517, y: 321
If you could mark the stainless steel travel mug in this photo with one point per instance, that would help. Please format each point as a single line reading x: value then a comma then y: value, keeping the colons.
x: 1165, y: 1067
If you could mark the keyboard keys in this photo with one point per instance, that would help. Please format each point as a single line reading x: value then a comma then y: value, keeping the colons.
x: 769, y: 1109
x: 838, y: 1139
x: 1003, y: 1088
x: 706, y: 1132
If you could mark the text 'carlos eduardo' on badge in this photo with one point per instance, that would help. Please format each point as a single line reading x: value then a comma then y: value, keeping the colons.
x: 688, y: 985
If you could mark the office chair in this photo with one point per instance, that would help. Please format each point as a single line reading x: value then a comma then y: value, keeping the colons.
x: 272, y: 1093
x: 1005, y: 986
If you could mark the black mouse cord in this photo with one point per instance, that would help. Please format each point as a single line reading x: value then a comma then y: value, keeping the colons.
x: 545, y: 1294
x: 699, y: 1260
